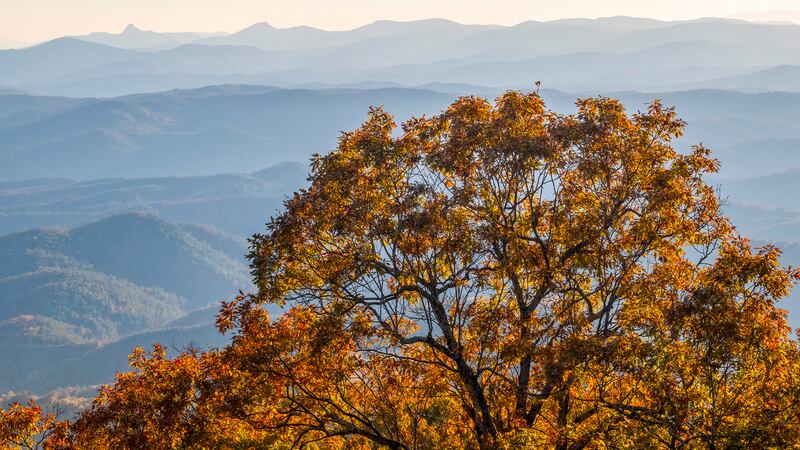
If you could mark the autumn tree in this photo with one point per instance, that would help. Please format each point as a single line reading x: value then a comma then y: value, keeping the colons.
x: 518, y: 255
x: 159, y: 405
x: 29, y: 427
x: 494, y: 276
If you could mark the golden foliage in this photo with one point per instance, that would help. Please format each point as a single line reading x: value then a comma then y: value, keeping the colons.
x: 496, y: 276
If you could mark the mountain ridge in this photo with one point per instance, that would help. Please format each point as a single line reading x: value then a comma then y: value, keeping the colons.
x: 439, y: 49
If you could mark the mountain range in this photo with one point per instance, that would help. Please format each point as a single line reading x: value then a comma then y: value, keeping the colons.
x: 614, y: 53
x: 182, y: 133
x: 238, y: 128
x: 136, y: 39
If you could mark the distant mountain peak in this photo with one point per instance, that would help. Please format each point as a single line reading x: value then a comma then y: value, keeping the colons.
x: 131, y: 28
x: 260, y: 26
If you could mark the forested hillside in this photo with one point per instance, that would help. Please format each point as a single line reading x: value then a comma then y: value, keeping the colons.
x: 71, y: 296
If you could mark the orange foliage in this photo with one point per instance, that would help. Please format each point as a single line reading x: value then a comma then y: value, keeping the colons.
x: 496, y: 276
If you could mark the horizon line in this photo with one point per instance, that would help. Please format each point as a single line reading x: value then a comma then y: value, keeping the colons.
x: 733, y: 18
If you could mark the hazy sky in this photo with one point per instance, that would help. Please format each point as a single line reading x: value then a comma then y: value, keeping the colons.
x: 28, y: 21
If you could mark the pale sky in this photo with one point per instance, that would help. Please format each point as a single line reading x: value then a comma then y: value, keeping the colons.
x: 30, y: 21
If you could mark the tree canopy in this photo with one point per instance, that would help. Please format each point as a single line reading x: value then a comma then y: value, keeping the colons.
x: 495, y: 276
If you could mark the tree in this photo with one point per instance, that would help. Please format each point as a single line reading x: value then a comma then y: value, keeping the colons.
x: 496, y: 276
x: 28, y: 427
x: 157, y: 405
x: 516, y: 255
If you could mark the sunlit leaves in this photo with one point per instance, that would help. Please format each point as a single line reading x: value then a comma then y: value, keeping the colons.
x: 495, y: 276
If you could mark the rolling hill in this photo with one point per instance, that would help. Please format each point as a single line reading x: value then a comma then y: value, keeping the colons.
x: 75, y: 302
x: 236, y: 203
x: 775, y: 190
x: 785, y: 77
x: 196, y: 132
x: 759, y: 157
x: 153, y: 260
